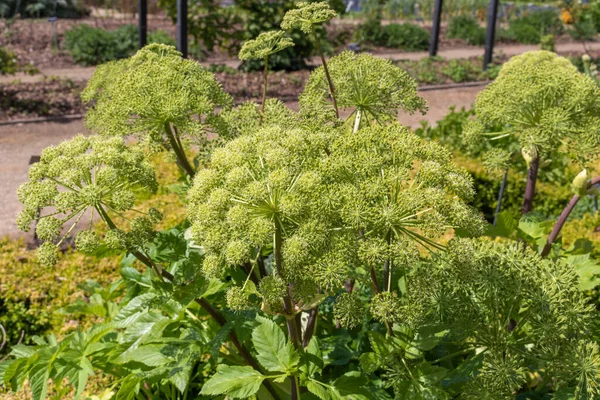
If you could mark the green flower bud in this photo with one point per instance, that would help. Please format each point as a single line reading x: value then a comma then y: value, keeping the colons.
x: 87, y: 241
x: 48, y: 228
x: 123, y: 200
x: 116, y: 239
x: 47, y: 254
x: 349, y: 310
x: 384, y: 306
x: 580, y: 183
x: 272, y: 289
x: 237, y: 299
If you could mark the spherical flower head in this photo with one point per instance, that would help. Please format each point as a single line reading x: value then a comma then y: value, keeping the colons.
x: 545, y: 102
x: 47, y: 254
x: 48, y: 228
x: 212, y: 266
x: 116, y: 239
x: 306, y: 15
x: 87, y: 241
x: 155, y: 215
x: 237, y: 300
x: 349, y: 310
x: 385, y: 306
x: 363, y: 82
x: 237, y: 253
x: 145, y: 94
x: 122, y: 200
x: 272, y: 289
x: 265, y: 45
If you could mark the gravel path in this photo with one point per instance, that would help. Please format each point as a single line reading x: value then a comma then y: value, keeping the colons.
x: 19, y: 142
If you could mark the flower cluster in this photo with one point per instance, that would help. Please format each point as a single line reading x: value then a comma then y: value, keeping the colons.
x: 152, y: 93
x: 265, y: 45
x: 80, y: 174
x: 543, y: 102
x: 306, y: 15
x: 325, y: 201
x: 363, y: 83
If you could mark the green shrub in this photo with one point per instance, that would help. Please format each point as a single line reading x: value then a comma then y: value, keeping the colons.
x: 405, y: 36
x: 529, y: 28
x: 43, y: 8
x: 8, y: 62
x: 547, y: 43
x: 93, y: 46
x: 466, y: 28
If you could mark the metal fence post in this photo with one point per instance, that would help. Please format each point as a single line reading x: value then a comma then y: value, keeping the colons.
x: 142, y: 22
x: 490, y: 34
x: 435, y: 31
x: 182, y: 44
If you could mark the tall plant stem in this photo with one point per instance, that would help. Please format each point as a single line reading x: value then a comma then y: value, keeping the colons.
x: 357, y: 120
x: 560, y: 222
x: 530, y: 188
x: 311, y: 326
x: 295, y: 388
x: 329, y: 81
x: 500, y: 195
x: 179, y: 152
x: 292, y: 325
x: 264, y: 94
x: 205, y: 304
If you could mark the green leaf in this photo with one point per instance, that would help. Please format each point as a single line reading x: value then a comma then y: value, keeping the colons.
x: 318, y: 390
x: 313, y: 358
x: 380, y: 345
x: 587, y: 269
x: 38, y: 380
x: 352, y: 386
x: 369, y: 362
x: 506, y: 226
x: 274, y: 352
x: 234, y: 381
x: 149, y: 355
x: 130, y: 386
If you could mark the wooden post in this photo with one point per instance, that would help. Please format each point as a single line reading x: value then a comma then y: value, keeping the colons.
x: 490, y: 34
x: 435, y: 31
x: 182, y: 44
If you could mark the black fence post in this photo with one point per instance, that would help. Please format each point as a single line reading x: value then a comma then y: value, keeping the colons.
x: 435, y: 30
x: 182, y: 44
x: 143, y: 22
x: 490, y: 34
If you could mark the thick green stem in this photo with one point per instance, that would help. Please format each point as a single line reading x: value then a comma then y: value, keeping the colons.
x: 288, y: 307
x: 329, y: 81
x: 212, y: 311
x: 264, y: 94
x: 563, y: 218
x: 530, y: 188
x: 179, y: 152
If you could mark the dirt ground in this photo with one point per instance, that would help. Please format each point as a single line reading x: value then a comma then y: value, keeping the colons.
x: 19, y: 142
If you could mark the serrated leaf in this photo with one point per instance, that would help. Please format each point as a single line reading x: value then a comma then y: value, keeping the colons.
x: 351, y: 386
x: 38, y: 381
x: 379, y: 344
x: 274, y: 352
x: 318, y: 390
x: 313, y: 358
x: 369, y: 362
x: 234, y: 381
x: 130, y: 386
x: 149, y: 355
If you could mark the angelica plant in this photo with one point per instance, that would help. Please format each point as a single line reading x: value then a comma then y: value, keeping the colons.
x: 87, y: 175
x: 544, y: 106
x: 306, y: 16
x: 372, y: 88
x: 265, y: 45
x: 157, y: 96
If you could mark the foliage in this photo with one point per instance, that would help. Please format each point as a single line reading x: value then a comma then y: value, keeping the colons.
x: 93, y: 46
x: 43, y: 9
x: 435, y: 70
x: 466, y: 28
x: 529, y: 28
x: 406, y: 36
x: 543, y: 105
x: 356, y: 235
x: 8, y: 62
